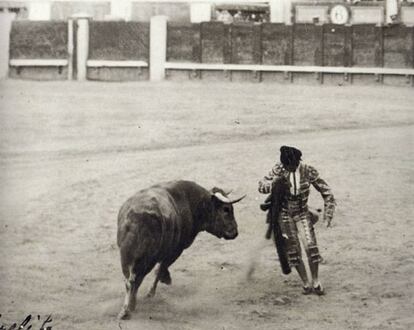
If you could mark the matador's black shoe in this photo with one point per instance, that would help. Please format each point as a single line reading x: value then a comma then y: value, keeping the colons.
x: 307, y: 290
x: 319, y: 290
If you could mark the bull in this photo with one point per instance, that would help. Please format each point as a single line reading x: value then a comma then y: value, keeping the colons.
x: 158, y: 223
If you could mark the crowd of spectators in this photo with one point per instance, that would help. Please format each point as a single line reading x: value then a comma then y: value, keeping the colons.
x: 235, y: 16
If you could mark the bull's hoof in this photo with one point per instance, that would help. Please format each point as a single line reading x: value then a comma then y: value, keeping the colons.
x: 132, y: 305
x: 150, y: 294
x: 165, y: 277
x: 124, y: 314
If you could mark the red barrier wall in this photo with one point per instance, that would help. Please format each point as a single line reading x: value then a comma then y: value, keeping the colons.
x: 277, y: 44
x: 240, y: 43
x: 38, y: 40
x: 307, y: 44
x: 398, y: 46
x: 183, y: 44
x: 213, y: 42
x: 119, y: 41
x: 242, y: 46
x: 336, y: 45
x: 365, y: 46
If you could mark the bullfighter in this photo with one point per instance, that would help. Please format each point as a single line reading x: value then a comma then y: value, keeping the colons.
x: 294, y: 218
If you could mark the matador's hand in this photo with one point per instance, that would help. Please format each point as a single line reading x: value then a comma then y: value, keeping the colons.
x: 327, y: 218
x: 265, y: 189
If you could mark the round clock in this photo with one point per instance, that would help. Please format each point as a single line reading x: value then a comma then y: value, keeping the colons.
x: 339, y: 14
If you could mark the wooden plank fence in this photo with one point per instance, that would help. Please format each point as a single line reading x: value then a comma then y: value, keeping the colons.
x: 214, y: 46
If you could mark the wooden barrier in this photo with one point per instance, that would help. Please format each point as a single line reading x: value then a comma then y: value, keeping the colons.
x: 34, y: 62
x: 398, y: 46
x: 277, y: 44
x: 307, y: 44
x: 289, y: 68
x: 213, y: 42
x: 195, y: 68
x: 183, y: 42
x: 118, y: 51
x: 38, y: 46
x: 38, y: 40
x: 242, y: 44
x: 336, y: 44
x: 117, y: 70
x: 119, y: 41
x: 328, y: 50
x: 116, y: 64
x: 19, y: 64
x: 364, y: 46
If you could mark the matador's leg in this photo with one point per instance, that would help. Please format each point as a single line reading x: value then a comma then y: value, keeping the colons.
x: 294, y: 255
x: 308, y: 239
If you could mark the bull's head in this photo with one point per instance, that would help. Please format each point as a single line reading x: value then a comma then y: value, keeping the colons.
x: 222, y: 223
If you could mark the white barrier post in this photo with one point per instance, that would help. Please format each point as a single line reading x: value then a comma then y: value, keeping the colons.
x: 277, y: 11
x: 288, y: 11
x: 40, y: 10
x: 82, y: 45
x: 391, y: 11
x: 158, y: 47
x: 70, y: 48
x: 6, y: 19
x: 200, y: 12
x: 281, y: 11
x: 121, y: 9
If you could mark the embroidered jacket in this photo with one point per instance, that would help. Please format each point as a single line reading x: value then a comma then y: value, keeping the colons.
x: 308, y: 175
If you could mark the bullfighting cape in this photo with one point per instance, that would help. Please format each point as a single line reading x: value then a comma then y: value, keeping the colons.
x: 273, y: 206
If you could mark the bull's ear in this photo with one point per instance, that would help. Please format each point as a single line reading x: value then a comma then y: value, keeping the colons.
x: 214, y: 190
x: 222, y: 191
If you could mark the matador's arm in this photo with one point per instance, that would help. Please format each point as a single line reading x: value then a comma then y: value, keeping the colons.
x: 326, y: 193
x: 265, y: 185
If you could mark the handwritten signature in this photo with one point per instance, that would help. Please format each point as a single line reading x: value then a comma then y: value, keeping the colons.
x: 27, y: 324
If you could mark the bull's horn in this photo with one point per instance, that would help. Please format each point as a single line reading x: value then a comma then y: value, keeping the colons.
x: 237, y: 200
x: 222, y: 198
x: 228, y: 192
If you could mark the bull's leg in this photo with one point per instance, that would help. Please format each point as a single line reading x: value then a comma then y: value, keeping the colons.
x: 132, y: 284
x: 135, y: 278
x: 151, y: 293
x: 163, y: 274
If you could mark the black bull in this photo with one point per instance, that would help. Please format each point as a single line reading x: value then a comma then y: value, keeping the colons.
x: 157, y: 224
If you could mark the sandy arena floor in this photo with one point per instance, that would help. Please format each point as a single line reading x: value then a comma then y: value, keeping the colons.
x: 72, y: 153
